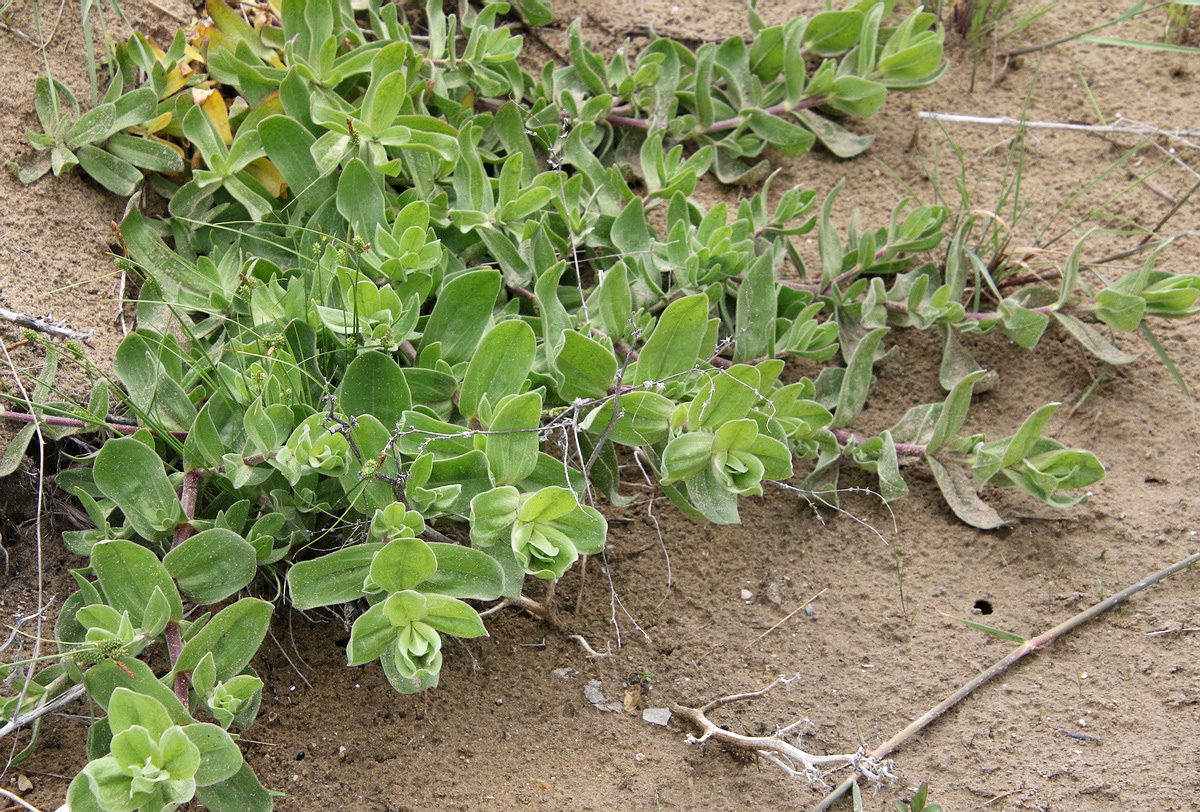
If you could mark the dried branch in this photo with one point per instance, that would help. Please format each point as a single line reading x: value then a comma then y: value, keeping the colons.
x: 12, y: 29
x: 18, y: 800
x: 43, y: 325
x: 776, y: 748
x: 61, y: 701
x: 1142, y: 130
x: 592, y: 654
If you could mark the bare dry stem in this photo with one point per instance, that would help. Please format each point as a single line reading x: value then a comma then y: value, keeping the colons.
x: 776, y: 748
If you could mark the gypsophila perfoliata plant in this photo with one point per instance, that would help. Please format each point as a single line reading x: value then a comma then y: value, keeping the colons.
x: 403, y: 280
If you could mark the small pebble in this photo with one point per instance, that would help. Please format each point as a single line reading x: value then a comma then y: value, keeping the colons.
x: 593, y: 694
x: 747, y: 595
x: 657, y: 716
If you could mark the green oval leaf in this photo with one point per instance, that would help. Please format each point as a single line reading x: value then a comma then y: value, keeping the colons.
x: 586, y: 367
x: 856, y: 383
x: 512, y: 444
x: 461, y: 314
x: 402, y: 564
x: 452, y: 616
x: 220, y: 758
x: 331, y: 579
x: 500, y: 365
x: 675, y: 345
x: 233, y: 637
x: 132, y: 475
x: 212, y: 565
x: 128, y: 574
x: 359, y: 198
x: 374, y: 384
x: 463, y: 572
x: 370, y: 636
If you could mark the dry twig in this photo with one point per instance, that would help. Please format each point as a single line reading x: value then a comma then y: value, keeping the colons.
x: 776, y: 748
x: 592, y: 654
x: 43, y: 325
x: 18, y: 800
x: 61, y: 701
x: 1127, y: 128
x: 12, y: 29
x: 791, y: 614
x: 38, y: 532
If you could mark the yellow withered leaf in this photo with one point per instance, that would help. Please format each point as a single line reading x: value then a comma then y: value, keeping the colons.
x: 159, y: 122
x: 268, y: 175
x: 218, y: 114
x: 204, y: 32
x: 175, y: 82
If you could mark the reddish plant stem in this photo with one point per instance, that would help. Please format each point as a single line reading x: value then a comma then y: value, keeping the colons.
x: 253, y: 459
x: 75, y: 423
x: 174, y: 649
x: 795, y: 285
x: 907, y: 449
x: 627, y: 122
x: 775, y: 110
x: 901, y: 307
x: 1045, y: 309
x: 724, y: 125
x: 837, y: 280
x: 1027, y: 278
x: 522, y: 293
x: 188, y: 495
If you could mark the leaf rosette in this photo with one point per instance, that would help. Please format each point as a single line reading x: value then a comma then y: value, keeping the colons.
x: 313, y: 448
x: 153, y: 763
x: 718, y: 466
x: 404, y: 632
x: 546, y: 530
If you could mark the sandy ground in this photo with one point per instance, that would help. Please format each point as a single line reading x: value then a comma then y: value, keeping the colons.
x: 1103, y: 720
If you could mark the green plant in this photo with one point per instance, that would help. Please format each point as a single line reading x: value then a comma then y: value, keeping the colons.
x: 405, y: 282
x: 96, y: 140
x: 1182, y: 18
x: 984, y: 22
x: 918, y: 802
x: 1175, y: 12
